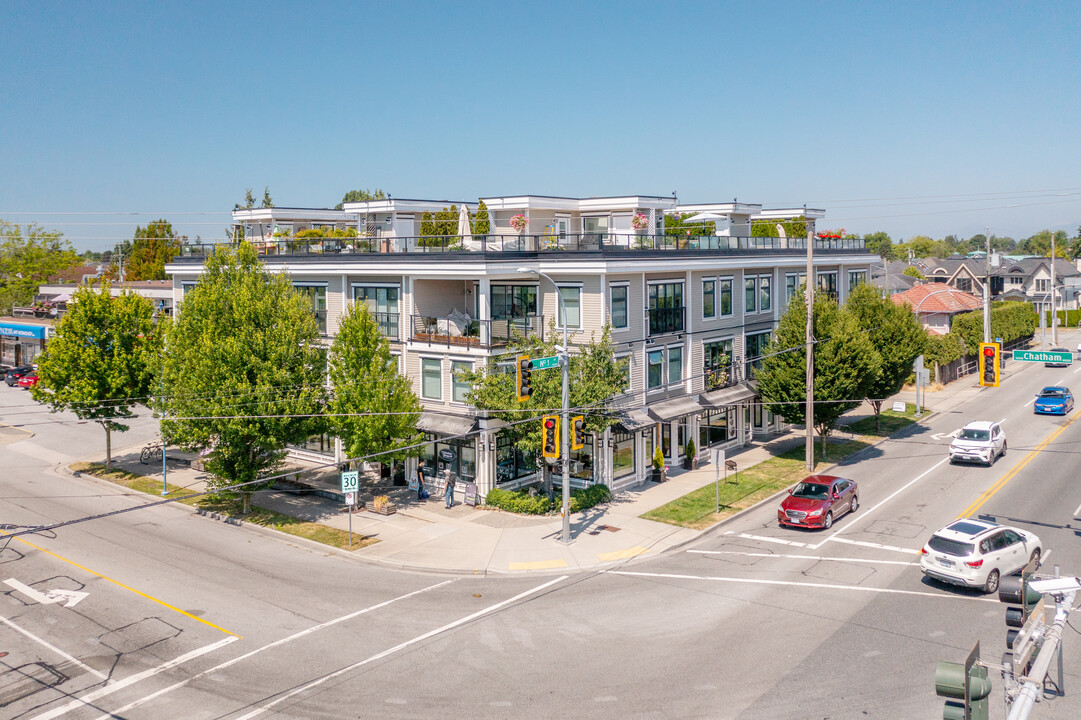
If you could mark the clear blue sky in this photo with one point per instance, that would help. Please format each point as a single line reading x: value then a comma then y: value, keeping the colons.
x: 913, y: 118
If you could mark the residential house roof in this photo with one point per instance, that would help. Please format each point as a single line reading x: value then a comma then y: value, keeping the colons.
x: 938, y: 298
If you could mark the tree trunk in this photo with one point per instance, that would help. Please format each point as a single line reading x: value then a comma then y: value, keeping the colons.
x: 108, y: 445
x: 246, y: 509
x: 876, y: 405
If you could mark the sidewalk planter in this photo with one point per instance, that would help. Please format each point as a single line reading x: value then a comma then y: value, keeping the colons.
x: 658, y: 475
x: 381, y: 504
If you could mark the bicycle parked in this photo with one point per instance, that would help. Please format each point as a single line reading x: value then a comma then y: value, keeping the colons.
x: 152, y: 451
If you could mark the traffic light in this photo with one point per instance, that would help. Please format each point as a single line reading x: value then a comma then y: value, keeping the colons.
x: 550, y: 431
x: 966, y: 684
x: 1024, y: 618
x: 525, y: 378
x: 578, y: 439
x: 989, y: 364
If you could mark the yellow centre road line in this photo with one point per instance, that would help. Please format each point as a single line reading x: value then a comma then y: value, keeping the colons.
x: 990, y: 492
x: 126, y: 587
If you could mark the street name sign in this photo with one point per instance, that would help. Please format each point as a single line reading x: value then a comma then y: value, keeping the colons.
x: 1043, y: 356
x: 545, y: 363
x: 350, y: 481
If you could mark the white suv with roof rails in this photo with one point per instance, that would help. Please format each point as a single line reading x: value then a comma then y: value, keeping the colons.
x: 976, y: 553
x: 980, y: 441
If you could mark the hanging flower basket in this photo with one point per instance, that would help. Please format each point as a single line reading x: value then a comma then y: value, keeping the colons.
x: 640, y: 221
x: 518, y: 222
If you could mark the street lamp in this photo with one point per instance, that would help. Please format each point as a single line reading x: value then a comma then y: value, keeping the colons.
x: 564, y: 362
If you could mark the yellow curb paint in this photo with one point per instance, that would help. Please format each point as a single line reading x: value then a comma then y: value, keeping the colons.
x: 126, y: 587
x: 14, y: 427
x: 990, y: 492
x: 538, y: 565
x: 622, y: 554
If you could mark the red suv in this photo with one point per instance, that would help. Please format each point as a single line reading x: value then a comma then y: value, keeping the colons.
x: 817, y: 501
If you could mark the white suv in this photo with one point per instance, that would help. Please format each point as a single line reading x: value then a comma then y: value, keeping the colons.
x: 979, y: 442
x: 975, y: 553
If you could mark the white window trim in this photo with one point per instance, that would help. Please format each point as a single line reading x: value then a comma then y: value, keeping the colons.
x: 732, y: 304
x: 716, y: 298
x: 623, y: 284
x: 576, y: 285
x: 758, y: 292
x: 438, y: 359
x: 682, y: 365
x: 664, y: 369
x: 630, y: 368
x: 754, y: 279
x: 311, y: 283
x: 471, y: 364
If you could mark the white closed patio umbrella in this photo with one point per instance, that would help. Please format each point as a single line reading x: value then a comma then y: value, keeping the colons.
x: 705, y: 217
x: 464, y: 231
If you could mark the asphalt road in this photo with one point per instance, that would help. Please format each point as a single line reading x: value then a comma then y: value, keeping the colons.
x: 184, y: 617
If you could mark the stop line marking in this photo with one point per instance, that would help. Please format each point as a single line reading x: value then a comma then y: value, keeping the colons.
x: 793, y: 583
x: 802, y: 557
x: 763, y: 538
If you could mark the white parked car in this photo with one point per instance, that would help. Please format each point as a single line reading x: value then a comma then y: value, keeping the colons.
x: 976, y: 553
x: 980, y: 442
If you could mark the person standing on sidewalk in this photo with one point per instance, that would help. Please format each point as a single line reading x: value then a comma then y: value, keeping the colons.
x: 450, y: 488
x: 422, y: 494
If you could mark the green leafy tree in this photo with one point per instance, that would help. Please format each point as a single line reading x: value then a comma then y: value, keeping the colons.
x: 151, y: 248
x: 880, y: 244
x: 595, y: 376
x: 365, y: 379
x: 895, y: 333
x: 913, y: 271
x: 845, y: 362
x: 240, y: 364
x: 920, y: 246
x: 361, y: 196
x: 100, y: 361
x: 29, y: 257
x: 268, y: 202
x: 483, y: 223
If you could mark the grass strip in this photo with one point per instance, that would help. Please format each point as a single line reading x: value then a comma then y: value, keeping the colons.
x: 697, y: 510
x: 231, y: 507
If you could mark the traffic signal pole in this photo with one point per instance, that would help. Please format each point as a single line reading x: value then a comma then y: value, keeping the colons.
x: 564, y: 363
x: 1032, y: 688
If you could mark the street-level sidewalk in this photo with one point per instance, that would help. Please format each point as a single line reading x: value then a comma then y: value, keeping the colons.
x: 423, y: 535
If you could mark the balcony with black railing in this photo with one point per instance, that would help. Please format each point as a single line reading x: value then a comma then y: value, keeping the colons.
x: 388, y: 323
x: 619, y: 244
x: 666, y: 320
x: 456, y: 331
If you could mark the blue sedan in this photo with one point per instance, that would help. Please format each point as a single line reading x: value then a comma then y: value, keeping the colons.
x: 1054, y: 400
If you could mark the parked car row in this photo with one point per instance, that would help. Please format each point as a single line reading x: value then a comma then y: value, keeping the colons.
x: 25, y: 376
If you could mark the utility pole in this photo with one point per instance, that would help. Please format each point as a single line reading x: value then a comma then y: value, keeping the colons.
x: 1054, y: 317
x: 809, y: 447
x: 987, y: 290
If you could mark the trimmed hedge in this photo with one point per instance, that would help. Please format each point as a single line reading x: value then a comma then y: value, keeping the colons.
x: 1066, y: 318
x: 1009, y: 321
x: 518, y: 501
x: 588, y: 497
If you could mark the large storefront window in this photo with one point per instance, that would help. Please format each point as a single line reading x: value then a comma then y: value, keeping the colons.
x: 717, y: 426
x: 582, y: 461
x: 322, y: 444
x: 459, y: 455
x: 511, y: 461
x: 383, y: 304
x: 623, y: 460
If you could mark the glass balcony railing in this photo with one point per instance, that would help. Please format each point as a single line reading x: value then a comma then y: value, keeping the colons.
x: 619, y: 243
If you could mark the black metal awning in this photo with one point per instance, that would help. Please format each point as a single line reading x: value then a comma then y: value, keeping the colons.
x: 442, y: 424
x: 728, y: 396
x: 675, y: 408
x: 634, y: 420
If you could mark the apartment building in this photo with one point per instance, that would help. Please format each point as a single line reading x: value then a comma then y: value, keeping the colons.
x: 692, y: 313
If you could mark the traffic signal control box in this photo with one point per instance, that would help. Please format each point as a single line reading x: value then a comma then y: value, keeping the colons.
x: 989, y: 364
x: 550, y: 436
